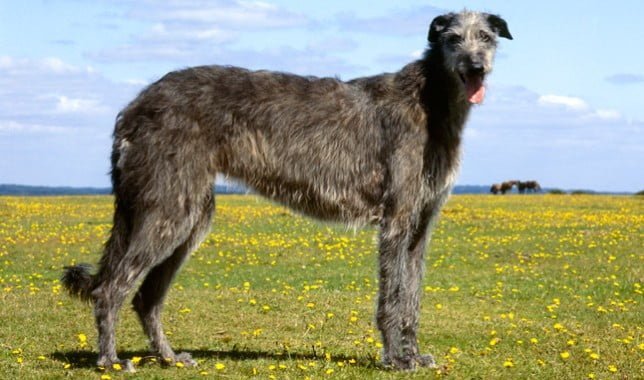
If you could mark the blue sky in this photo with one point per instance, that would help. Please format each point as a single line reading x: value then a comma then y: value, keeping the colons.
x: 565, y: 104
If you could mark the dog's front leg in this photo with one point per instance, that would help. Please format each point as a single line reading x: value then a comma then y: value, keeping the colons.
x: 412, y: 284
x: 402, y: 253
x: 401, y: 267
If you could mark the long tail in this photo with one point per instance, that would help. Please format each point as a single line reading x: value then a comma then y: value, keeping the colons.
x: 78, y: 281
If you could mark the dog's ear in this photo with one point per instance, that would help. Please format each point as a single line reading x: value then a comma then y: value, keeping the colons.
x: 499, y: 26
x: 438, y: 26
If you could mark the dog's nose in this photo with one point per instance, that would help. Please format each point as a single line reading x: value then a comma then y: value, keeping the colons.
x: 476, y: 68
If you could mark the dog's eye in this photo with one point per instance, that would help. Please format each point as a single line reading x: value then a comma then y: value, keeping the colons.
x: 484, y: 37
x: 454, y: 39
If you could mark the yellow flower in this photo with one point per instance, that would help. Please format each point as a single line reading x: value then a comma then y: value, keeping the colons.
x: 219, y: 366
x: 136, y: 360
x: 82, y: 340
x: 508, y: 363
x: 494, y: 341
x: 612, y: 368
x: 117, y: 367
x: 594, y: 356
x: 565, y: 355
x: 105, y: 377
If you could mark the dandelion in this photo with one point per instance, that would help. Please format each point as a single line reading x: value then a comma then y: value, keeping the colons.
x: 494, y: 341
x: 82, y: 340
x: 329, y: 371
x: 106, y: 377
x: 565, y: 355
x: 594, y: 356
x: 453, y: 350
x: 508, y: 363
x: 220, y: 366
x: 136, y: 360
x: 612, y: 368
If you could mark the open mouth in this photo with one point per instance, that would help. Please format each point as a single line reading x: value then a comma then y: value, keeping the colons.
x: 474, y: 87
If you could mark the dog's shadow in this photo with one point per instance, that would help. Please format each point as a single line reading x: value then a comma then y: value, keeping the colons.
x: 87, y: 359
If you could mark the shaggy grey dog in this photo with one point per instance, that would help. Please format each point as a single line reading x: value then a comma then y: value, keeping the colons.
x: 381, y: 149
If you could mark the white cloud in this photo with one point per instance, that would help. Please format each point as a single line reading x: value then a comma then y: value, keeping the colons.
x: 411, y: 21
x: 13, y: 128
x: 572, y: 103
x: 79, y: 105
x: 246, y: 15
x: 57, y: 65
x: 607, y: 114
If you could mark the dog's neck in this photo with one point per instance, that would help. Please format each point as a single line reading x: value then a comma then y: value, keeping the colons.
x: 443, y: 97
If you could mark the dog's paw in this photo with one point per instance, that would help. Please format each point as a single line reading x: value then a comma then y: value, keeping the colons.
x: 186, y: 359
x: 116, y: 365
x: 409, y: 362
x: 426, y: 361
x: 182, y: 359
x: 405, y: 363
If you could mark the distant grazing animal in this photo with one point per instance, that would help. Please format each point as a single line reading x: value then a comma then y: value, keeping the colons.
x: 533, y: 186
x: 507, y: 186
x: 383, y: 149
x: 495, y: 189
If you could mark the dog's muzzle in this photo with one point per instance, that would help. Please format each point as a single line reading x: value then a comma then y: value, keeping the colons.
x: 472, y: 79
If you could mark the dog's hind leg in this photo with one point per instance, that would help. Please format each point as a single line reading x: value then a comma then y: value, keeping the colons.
x: 156, y: 232
x: 148, y: 301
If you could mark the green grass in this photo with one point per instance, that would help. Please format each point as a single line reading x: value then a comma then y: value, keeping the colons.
x: 543, y: 287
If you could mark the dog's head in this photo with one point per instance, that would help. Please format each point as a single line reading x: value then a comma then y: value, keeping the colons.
x: 468, y: 41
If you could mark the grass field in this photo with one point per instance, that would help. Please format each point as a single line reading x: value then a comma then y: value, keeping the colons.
x: 516, y: 287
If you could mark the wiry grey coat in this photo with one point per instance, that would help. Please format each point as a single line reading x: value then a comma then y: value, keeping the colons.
x: 381, y: 149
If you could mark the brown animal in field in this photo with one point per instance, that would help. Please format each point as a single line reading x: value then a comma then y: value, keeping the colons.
x: 495, y: 189
x: 507, y: 186
x: 533, y: 186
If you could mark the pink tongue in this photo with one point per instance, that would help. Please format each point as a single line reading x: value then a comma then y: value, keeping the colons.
x: 475, y: 89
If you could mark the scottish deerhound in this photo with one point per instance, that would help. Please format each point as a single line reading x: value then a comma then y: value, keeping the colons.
x: 382, y: 149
